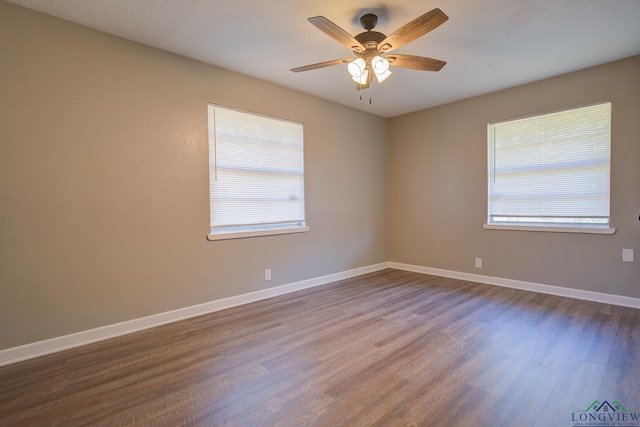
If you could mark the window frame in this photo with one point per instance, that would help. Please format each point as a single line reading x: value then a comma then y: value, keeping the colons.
x: 239, y: 231
x: 554, y: 227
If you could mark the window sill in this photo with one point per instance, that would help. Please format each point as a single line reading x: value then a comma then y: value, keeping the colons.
x: 256, y: 233
x: 550, y: 229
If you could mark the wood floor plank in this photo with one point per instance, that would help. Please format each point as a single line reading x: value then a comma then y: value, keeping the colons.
x: 383, y: 349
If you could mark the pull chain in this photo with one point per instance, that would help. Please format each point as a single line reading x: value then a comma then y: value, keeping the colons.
x: 369, y: 99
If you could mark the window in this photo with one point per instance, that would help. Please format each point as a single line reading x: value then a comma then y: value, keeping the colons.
x: 551, y: 172
x: 256, y: 175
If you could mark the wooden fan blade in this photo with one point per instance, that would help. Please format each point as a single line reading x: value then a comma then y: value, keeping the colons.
x: 414, y: 29
x: 321, y: 65
x: 337, y: 33
x: 415, y: 62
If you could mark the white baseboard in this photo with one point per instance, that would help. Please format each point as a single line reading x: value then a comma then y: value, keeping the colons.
x: 41, y: 348
x: 527, y: 286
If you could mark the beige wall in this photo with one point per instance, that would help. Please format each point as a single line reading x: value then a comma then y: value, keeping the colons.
x: 438, y: 187
x: 104, y: 185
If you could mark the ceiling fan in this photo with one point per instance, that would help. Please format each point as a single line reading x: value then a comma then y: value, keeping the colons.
x: 372, y: 47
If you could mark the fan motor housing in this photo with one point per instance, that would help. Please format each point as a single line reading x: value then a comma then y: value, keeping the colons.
x: 370, y: 39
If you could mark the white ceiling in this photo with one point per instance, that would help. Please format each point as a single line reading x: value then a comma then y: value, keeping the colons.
x: 488, y: 44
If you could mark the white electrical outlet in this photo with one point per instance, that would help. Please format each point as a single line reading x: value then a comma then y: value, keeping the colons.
x: 627, y: 255
x: 267, y: 274
x: 478, y: 262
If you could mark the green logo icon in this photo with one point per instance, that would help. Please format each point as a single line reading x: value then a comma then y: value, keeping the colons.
x: 606, y: 407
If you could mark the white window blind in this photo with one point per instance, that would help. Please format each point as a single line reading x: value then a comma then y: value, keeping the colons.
x: 552, y: 169
x: 256, y: 173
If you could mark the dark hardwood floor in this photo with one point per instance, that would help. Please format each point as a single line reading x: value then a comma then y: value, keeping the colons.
x: 391, y: 348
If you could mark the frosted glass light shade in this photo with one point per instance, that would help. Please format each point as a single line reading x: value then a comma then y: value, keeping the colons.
x: 358, y: 71
x: 380, y: 68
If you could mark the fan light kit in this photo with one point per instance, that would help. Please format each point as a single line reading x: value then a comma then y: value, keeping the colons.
x: 372, y: 48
